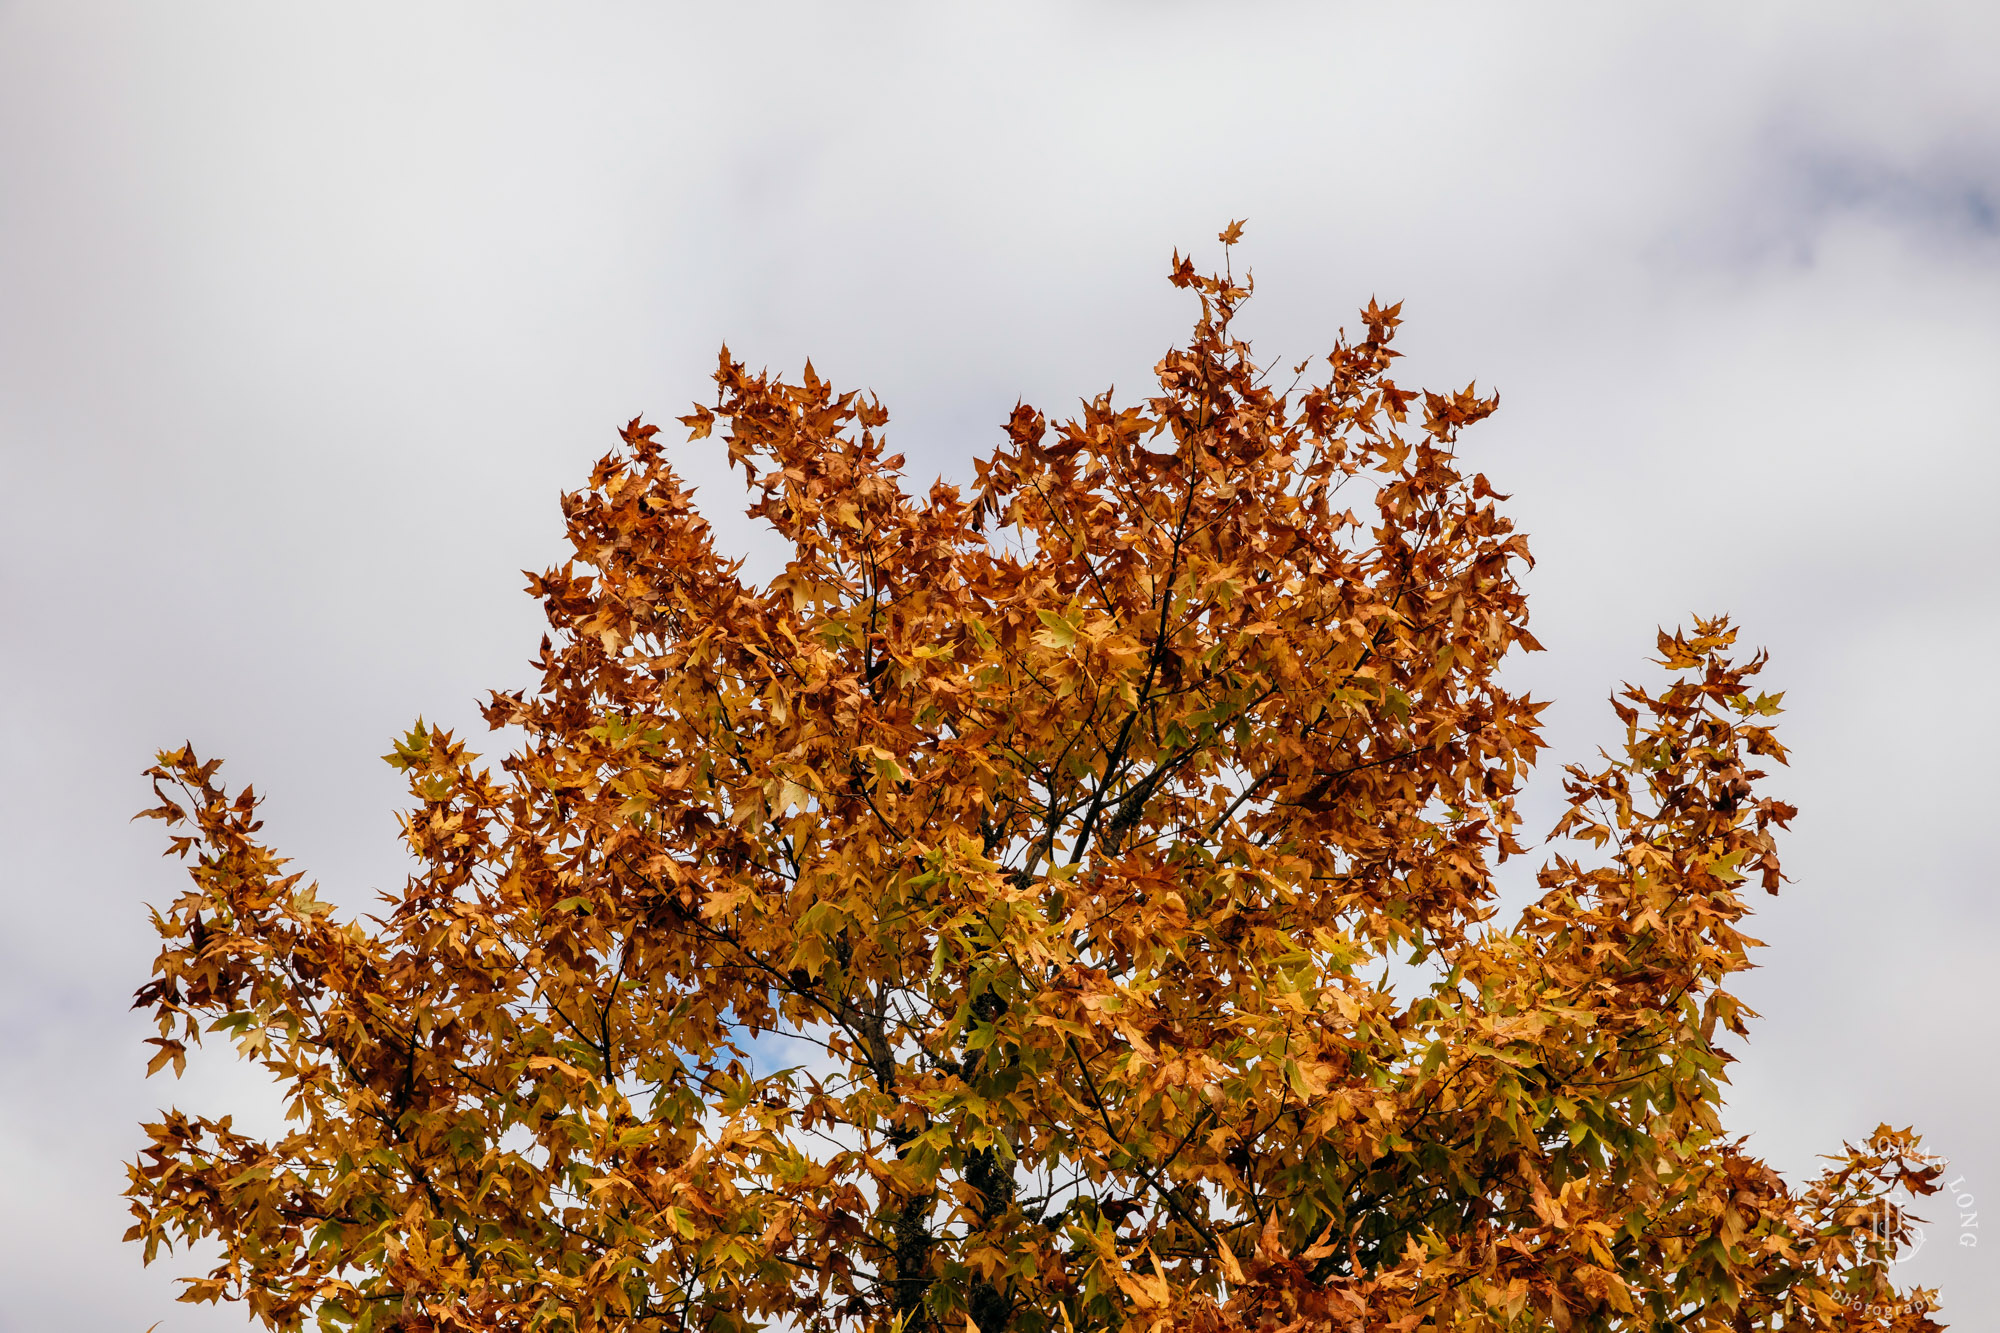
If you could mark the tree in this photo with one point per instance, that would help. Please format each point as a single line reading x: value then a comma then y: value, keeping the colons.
x: 1066, y: 828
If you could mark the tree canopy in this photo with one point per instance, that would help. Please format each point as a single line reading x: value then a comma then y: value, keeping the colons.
x: 1062, y: 902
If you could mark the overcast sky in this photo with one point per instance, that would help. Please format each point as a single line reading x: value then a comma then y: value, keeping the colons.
x: 309, y: 313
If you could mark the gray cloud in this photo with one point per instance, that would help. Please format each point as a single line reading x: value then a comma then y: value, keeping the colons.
x: 306, y: 320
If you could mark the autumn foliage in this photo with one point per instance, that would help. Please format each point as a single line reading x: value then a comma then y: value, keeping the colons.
x: 983, y: 925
